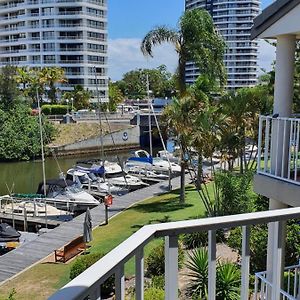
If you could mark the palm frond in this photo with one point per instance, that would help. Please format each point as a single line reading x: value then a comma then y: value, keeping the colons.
x: 157, y: 36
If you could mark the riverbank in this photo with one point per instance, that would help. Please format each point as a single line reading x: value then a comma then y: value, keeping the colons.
x: 75, y: 132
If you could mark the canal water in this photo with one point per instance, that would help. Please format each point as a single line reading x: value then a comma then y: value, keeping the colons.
x: 24, y: 177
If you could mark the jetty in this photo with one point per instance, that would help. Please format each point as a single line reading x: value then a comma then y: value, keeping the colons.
x: 35, y: 251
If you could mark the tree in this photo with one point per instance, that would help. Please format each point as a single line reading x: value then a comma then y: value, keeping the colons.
x: 242, y: 109
x: 134, y: 85
x: 52, y: 76
x: 9, y: 92
x: 81, y: 97
x: 196, y: 40
x: 115, y: 96
x: 178, y: 120
x: 20, y: 134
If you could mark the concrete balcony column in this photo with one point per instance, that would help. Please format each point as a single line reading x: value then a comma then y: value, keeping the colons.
x: 283, y: 102
x: 284, y: 75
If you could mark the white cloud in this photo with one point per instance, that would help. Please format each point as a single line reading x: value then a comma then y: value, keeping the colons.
x: 125, y: 55
x: 266, y: 55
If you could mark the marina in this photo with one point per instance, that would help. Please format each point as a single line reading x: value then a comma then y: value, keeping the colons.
x: 23, y: 257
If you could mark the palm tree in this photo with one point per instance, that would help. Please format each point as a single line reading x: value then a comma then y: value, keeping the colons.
x: 178, y: 116
x: 52, y: 76
x: 196, y: 40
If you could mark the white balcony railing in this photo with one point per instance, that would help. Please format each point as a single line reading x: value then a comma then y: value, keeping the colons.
x: 291, y: 291
x: 278, y: 148
x: 88, y: 284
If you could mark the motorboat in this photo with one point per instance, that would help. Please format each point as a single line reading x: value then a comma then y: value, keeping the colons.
x: 94, y: 185
x: 168, y: 156
x: 146, y: 175
x: 38, y: 209
x: 115, y: 176
x: 143, y: 159
x: 65, y: 194
x: 108, y: 167
x: 124, y: 180
x: 8, y: 233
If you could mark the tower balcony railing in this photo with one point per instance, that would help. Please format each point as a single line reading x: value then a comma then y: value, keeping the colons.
x: 278, y: 148
x: 88, y: 284
x: 291, y: 291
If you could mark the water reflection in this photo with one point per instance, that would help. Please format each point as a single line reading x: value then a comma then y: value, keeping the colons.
x: 23, y: 177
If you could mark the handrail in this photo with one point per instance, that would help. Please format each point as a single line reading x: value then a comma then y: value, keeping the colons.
x: 92, y: 278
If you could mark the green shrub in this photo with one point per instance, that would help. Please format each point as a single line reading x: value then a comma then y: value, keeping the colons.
x: 155, y: 262
x: 46, y: 109
x: 259, y: 241
x: 57, y: 109
x: 227, y: 281
x: 236, y: 195
x: 200, y: 239
x: 154, y: 293
x: 84, y: 262
x: 158, y: 282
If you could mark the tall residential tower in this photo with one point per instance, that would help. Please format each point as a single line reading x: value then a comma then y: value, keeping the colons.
x: 234, y: 19
x: 71, y: 34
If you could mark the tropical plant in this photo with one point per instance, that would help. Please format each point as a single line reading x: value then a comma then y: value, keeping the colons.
x: 228, y: 282
x: 197, y: 264
x: 81, y: 97
x: 52, y: 76
x: 115, y: 96
x: 235, y: 194
x: 227, y: 277
x: 178, y: 116
x: 196, y: 40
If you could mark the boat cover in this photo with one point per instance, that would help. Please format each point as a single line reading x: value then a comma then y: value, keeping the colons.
x: 8, y: 233
x: 54, y: 182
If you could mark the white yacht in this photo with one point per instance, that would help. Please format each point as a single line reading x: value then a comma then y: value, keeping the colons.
x: 64, y: 194
x: 38, y: 209
x: 143, y: 159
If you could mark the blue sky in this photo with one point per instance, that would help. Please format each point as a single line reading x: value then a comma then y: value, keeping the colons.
x: 130, y: 20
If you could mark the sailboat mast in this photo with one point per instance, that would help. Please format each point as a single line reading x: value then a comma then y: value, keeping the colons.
x: 42, y: 143
x: 149, y: 115
x: 99, y: 114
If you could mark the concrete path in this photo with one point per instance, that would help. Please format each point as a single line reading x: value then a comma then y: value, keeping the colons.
x: 30, y: 253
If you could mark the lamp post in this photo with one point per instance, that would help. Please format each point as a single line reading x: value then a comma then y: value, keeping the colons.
x: 67, y: 101
x: 72, y: 99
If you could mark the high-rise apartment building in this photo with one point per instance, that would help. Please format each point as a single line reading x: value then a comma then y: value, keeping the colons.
x: 233, y: 19
x: 71, y: 34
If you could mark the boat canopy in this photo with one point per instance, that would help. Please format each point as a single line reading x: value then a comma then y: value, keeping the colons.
x: 62, y: 183
x: 100, y: 170
x: 8, y: 233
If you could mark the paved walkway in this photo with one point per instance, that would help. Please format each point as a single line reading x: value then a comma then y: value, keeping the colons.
x: 23, y: 257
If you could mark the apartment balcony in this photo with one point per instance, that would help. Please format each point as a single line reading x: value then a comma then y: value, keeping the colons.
x: 278, y: 165
x: 88, y: 284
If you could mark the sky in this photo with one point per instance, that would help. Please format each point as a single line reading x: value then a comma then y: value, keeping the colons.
x: 130, y: 20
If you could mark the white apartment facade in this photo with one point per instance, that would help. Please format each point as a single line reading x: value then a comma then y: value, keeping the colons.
x: 71, y: 34
x: 234, y: 19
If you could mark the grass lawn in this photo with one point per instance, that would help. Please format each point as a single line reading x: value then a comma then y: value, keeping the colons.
x: 40, y: 281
